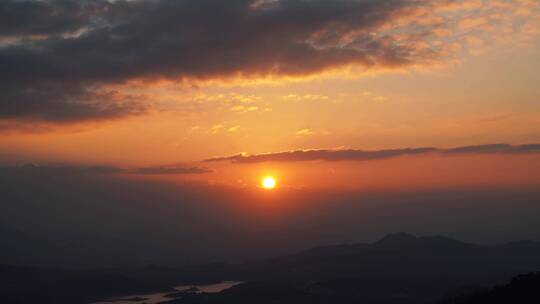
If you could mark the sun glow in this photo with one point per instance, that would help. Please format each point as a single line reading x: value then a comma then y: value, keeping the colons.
x: 268, y: 182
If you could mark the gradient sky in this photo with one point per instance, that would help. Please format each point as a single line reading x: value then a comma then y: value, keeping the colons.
x: 158, y: 118
x: 170, y: 83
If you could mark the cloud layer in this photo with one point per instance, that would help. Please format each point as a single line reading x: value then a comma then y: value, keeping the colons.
x: 57, y: 57
x: 171, y: 170
x: 364, y: 155
x: 107, y: 170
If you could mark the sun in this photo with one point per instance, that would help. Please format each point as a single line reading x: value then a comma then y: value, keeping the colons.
x: 268, y: 182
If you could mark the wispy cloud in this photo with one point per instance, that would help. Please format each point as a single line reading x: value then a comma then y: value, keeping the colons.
x: 170, y: 170
x: 33, y: 168
x: 304, y: 132
x: 304, y: 97
x: 366, y: 155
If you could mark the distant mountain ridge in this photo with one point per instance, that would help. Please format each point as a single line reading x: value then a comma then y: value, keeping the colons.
x: 405, y: 253
x: 397, y: 266
x: 403, y: 238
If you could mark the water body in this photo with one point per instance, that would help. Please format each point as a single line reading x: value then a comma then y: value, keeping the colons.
x: 154, y: 298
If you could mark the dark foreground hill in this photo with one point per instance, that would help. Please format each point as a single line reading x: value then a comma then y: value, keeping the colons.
x: 21, y: 285
x: 523, y: 289
x: 399, y: 268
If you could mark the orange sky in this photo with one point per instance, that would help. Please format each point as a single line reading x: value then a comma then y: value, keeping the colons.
x: 481, y: 88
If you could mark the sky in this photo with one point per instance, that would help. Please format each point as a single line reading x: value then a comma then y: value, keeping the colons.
x: 348, y: 97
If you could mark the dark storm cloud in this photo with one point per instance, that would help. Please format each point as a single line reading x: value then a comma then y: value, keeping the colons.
x: 47, y: 17
x: 62, y: 51
x: 64, y: 103
x: 206, y: 38
x: 362, y: 155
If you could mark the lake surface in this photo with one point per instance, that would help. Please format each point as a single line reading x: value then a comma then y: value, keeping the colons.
x: 154, y: 298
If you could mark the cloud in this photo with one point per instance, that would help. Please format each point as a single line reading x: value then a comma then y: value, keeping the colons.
x: 216, y: 128
x: 177, y: 39
x: 494, y: 148
x: 365, y: 155
x: 48, y: 17
x: 304, y: 132
x: 65, y: 103
x: 171, y: 170
x: 63, y: 170
x: 306, y: 97
x: 32, y: 168
x: 56, y: 55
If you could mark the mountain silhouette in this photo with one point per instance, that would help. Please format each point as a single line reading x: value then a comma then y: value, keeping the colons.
x: 398, y: 268
x: 397, y: 238
x: 401, y: 255
x: 523, y: 289
x: 405, y: 240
